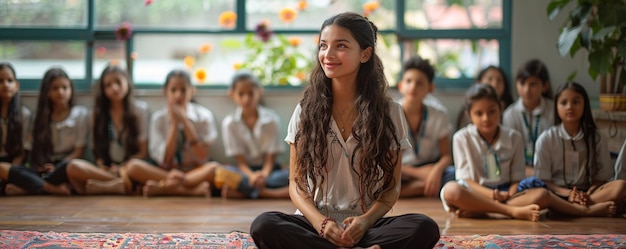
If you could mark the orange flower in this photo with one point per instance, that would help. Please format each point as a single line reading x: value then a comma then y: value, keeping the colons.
x: 200, y: 74
x: 134, y: 55
x: 302, y: 5
x: 237, y: 66
x: 227, y: 19
x: 114, y: 62
x: 316, y: 40
x: 189, y: 61
x: 294, y: 41
x: 301, y: 75
x: 287, y: 15
x: 205, y: 48
x: 370, y: 6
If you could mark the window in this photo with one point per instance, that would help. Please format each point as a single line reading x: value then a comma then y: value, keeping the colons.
x: 215, y: 36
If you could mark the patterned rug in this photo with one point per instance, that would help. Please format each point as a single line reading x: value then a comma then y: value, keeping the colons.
x: 29, y: 239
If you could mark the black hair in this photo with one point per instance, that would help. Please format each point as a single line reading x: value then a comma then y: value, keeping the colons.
x: 417, y: 63
x: 480, y: 91
x: 587, y: 124
x: 14, y: 145
x: 506, y: 97
x: 536, y: 68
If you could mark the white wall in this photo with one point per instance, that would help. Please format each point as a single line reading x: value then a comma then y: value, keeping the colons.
x: 534, y: 36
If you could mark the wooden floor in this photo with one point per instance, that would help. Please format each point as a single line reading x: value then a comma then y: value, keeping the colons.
x: 175, y: 214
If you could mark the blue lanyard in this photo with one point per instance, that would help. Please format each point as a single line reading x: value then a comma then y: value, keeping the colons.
x: 422, y: 130
x: 489, y: 148
x: 532, y: 135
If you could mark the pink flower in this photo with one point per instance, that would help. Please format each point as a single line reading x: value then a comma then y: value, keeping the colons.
x: 124, y: 31
x: 147, y: 2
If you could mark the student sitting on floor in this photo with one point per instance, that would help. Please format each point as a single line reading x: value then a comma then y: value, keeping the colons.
x: 179, y: 141
x: 532, y: 113
x: 428, y: 165
x: 16, y: 120
x: 59, y: 135
x: 251, y: 136
x: 119, y: 132
x: 489, y: 163
x: 572, y: 157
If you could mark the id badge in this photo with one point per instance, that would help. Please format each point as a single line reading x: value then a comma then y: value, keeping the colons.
x: 528, y: 153
x: 571, y: 165
x: 492, y: 169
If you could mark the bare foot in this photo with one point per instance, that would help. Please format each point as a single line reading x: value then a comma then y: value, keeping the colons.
x: 115, y: 186
x: 152, y: 188
x: 13, y: 190
x: 467, y: 214
x: 530, y: 212
x: 607, y: 208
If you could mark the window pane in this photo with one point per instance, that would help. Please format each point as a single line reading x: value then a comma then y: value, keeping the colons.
x: 32, y: 59
x: 217, y: 55
x: 455, y: 59
x: 188, y: 14
x: 43, y: 13
x: 388, y: 50
x: 105, y: 52
x: 314, y: 13
x: 445, y: 14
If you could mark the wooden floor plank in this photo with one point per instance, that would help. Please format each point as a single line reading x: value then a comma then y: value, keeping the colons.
x: 179, y: 214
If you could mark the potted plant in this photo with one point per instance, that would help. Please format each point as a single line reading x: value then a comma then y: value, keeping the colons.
x: 598, y: 26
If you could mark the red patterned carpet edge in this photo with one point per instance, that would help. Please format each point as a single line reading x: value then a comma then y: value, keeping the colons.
x: 238, y: 240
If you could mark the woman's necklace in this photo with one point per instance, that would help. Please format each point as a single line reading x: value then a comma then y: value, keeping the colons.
x: 342, y: 119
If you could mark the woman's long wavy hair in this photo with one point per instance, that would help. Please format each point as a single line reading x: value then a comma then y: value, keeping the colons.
x: 373, y: 128
x: 14, y: 141
x: 102, y: 119
x: 42, y: 137
x: 587, y: 125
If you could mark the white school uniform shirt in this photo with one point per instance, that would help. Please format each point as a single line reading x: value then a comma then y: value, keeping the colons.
x: 434, y: 102
x: 342, y: 198
x: 117, y: 152
x: 255, y: 143
x: 425, y: 142
x: 471, y: 154
x: 203, y: 121
x: 537, y: 121
x: 26, y: 123
x: 69, y: 133
x: 620, y: 163
x: 552, y: 156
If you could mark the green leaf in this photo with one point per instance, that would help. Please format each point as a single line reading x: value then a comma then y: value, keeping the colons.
x: 592, y: 73
x: 571, y: 76
x: 607, y: 14
x: 567, y: 38
x: 575, y: 47
x: 585, y: 38
x: 600, y: 61
x: 231, y: 44
x: 600, y: 35
x: 555, y: 7
x: 580, y: 14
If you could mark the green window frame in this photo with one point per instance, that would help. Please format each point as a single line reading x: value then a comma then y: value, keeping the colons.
x: 89, y: 34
